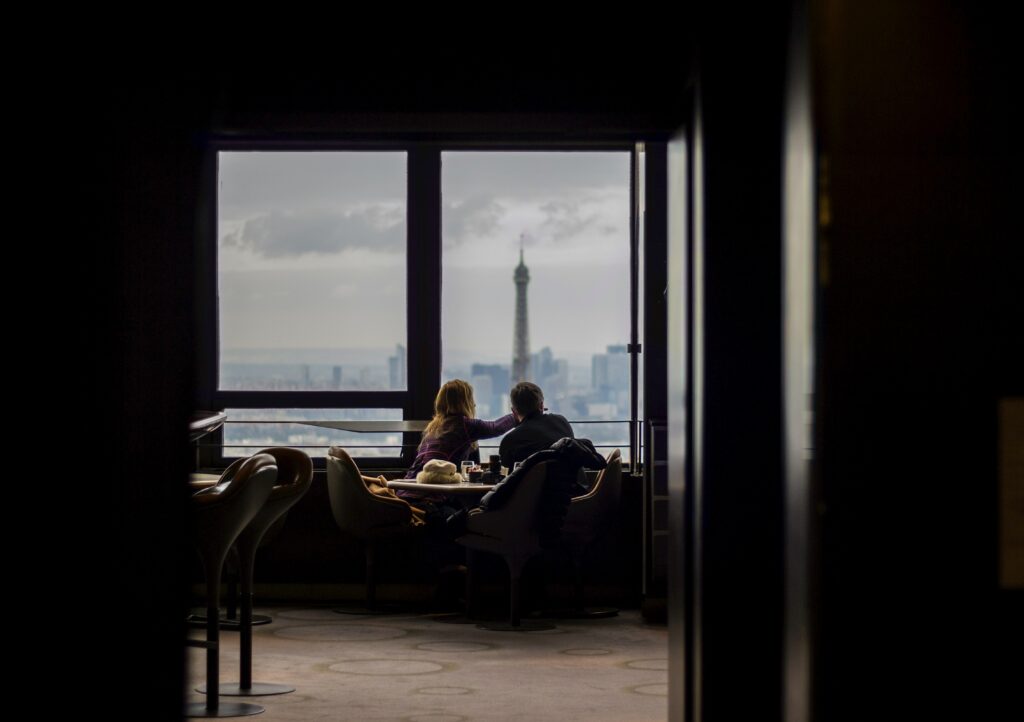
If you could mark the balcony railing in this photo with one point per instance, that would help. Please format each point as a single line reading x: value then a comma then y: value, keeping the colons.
x: 377, y: 439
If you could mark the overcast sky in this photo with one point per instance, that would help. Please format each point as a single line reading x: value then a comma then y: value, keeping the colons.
x: 312, y: 250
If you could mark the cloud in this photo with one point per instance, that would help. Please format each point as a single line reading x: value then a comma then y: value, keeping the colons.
x: 565, y: 219
x: 473, y: 217
x: 344, y: 290
x: 280, y: 234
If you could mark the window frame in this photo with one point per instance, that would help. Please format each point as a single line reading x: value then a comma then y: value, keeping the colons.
x: 423, y: 286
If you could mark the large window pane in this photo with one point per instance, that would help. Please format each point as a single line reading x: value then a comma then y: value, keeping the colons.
x: 311, y: 270
x: 568, y: 214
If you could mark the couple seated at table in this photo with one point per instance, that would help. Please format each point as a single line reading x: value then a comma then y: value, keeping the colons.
x: 453, y: 433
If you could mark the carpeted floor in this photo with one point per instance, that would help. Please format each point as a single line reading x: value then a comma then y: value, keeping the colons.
x: 418, y: 669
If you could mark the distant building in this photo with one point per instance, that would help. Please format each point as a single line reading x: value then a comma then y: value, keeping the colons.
x: 397, y: 377
x: 610, y: 376
x: 491, y: 384
x: 551, y: 374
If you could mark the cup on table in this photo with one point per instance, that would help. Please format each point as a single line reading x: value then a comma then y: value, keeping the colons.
x: 475, y: 475
x: 495, y: 463
x: 466, y: 466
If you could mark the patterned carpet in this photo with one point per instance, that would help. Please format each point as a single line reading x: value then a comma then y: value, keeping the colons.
x: 418, y: 669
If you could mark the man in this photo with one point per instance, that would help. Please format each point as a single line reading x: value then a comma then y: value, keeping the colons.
x: 535, y: 430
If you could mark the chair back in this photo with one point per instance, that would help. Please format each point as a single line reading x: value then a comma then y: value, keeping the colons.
x: 356, y: 509
x: 589, y: 513
x: 516, y: 526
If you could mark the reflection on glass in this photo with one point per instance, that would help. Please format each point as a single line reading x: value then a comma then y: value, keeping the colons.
x: 311, y: 270
x: 249, y: 430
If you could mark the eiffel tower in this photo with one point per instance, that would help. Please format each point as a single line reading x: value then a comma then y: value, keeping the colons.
x: 521, y: 343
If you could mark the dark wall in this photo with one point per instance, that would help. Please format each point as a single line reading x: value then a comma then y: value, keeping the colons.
x: 125, y: 557
x: 919, y: 335
x: 918, y: 312
x: 734, y: 395
x: 738, y: 481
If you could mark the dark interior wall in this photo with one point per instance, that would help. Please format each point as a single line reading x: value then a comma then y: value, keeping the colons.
x: 919, y: 333
x: 126, y: 553
x: 146, y: 122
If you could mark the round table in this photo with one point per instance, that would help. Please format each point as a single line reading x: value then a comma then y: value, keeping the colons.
x: 467, y: 489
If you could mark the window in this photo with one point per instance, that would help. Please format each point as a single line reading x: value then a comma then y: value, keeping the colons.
x: 537, y: 244
x: 350, y: 282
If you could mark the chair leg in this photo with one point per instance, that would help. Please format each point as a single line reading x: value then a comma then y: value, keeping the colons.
x: 232, y: 601
x: 213, y: 707
x: 371, y: 576
x: 515, y: 623
x: 470, y: 582
x: 582, y: 611
x: 372, y: 606
x: 213, y: 635
x: 231, y: 576
x: 577, y: 573
x: 245, y: 630
x: 515, y: 570
x: 246, y: 687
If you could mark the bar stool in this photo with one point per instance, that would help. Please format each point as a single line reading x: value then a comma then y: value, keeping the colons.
x: 294, y: 477
x: 219, y: 515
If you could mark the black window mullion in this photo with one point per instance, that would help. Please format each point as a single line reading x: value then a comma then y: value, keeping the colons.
x: 207, y: 306
x: 634, y: 302
x: 655, y: 310
x: 423, y: 287
x: 207, y: 313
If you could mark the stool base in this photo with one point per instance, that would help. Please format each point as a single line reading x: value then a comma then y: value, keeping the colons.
x: 258, y: 689
x: 525, y: 625
x: 224, y: 709
x: 198, y: 621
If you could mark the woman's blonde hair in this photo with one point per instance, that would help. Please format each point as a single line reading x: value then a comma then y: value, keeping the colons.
x: 453, y: 399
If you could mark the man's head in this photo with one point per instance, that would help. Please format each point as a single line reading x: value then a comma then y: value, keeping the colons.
x: 527, y: 399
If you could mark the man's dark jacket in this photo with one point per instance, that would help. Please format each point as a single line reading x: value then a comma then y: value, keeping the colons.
x: 536, y: 433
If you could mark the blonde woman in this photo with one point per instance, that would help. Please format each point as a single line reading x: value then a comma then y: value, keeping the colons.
x: 453, y: 432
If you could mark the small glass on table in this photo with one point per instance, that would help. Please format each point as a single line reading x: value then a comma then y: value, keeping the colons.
x: 466, y: 466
